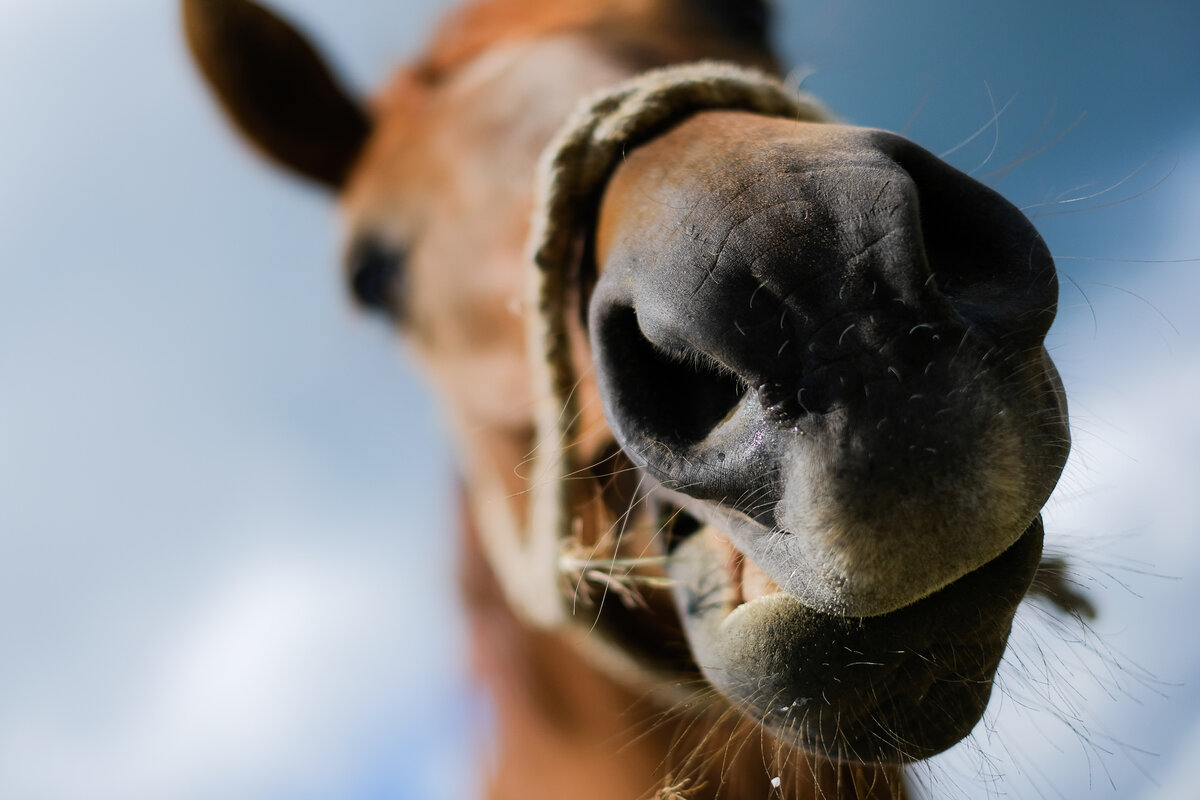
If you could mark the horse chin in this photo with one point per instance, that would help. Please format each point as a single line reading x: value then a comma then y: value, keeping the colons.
x: 893, y: 688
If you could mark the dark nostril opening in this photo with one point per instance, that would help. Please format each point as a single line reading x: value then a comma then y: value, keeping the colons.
x: 375, y: 270
x: 658, y: 396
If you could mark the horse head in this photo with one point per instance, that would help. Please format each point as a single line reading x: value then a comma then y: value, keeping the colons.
x: 786, y: 402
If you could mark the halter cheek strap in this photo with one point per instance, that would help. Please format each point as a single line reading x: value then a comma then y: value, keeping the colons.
x: 572, y: 172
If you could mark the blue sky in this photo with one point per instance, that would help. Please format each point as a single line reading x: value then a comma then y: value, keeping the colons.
x: 226, y: 533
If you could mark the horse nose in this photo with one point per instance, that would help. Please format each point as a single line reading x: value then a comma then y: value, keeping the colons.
x: 821, y: 337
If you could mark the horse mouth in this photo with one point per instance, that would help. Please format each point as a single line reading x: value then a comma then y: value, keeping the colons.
x: 893, y: 688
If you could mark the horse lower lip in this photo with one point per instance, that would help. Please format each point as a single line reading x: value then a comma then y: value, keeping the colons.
x: 872, y: 674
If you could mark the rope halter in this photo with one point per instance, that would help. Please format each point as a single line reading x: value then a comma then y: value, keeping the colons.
x: 572, y: 173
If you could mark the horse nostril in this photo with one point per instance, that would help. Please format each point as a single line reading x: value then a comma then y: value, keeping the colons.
x: 375, y: 269
x: 656, y: 400
x: 986, y: 257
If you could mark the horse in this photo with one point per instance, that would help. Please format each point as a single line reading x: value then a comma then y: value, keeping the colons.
x: 753, y: 410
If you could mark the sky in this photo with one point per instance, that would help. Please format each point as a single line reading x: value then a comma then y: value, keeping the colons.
x: 226, y: 526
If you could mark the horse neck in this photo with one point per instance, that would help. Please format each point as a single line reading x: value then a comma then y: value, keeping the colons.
x: 564, y: 729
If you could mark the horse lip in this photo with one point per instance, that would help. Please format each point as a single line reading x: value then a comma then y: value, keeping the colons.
x: 863, y: 672
x: 685, y: 525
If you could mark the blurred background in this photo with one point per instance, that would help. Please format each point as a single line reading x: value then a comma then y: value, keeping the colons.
x: 226, y: 529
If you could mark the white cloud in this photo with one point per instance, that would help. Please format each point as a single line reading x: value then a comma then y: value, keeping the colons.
x: 271, y: 682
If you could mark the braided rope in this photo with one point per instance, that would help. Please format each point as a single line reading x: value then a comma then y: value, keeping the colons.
x: 572, y: 172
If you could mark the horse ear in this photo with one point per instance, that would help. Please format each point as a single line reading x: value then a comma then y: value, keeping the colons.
x: 275, y: 88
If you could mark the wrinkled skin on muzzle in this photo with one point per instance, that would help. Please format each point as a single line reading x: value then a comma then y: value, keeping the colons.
x: 826, y: 346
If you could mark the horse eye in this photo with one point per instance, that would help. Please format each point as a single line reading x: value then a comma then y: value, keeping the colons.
x: 375, y: 270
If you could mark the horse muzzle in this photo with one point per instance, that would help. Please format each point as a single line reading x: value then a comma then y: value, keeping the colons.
x: 826, y: 346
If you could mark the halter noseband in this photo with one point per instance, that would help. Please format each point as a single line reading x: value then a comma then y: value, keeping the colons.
x: 572, y: 173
